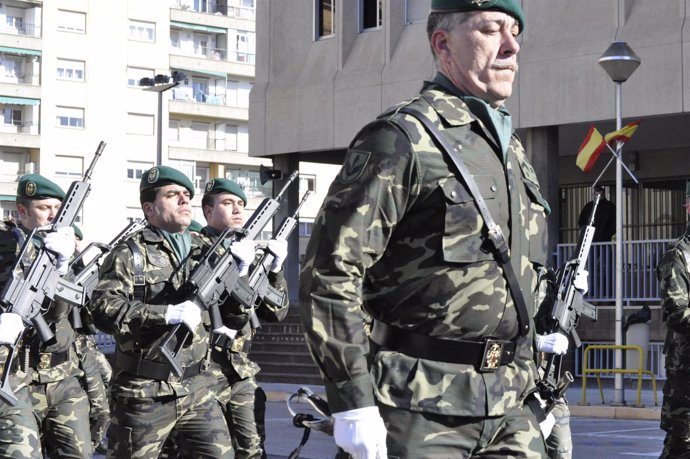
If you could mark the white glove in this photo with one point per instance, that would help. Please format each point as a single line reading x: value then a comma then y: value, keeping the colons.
x: 229, y: 332
x: 279, y: 248
x: 244, y: 251
x: 361, y: 433
x: 546, y: 426
x: 63, y: 243
x: 555, y: 343
x: 187, y: 313
x: 580, y: 281
x: 11, y: 326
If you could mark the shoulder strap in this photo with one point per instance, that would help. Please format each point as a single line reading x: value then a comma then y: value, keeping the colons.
x: 139, y: 279
x: 494, y: 231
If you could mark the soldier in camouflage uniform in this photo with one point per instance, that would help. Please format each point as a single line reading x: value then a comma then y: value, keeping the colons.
x: 674, y: 280
x: 138, y: 297
x: 400, y: 238
x: 59, y: 402
x: 243, y: 400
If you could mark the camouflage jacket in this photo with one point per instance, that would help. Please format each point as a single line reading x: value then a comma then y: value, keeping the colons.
x: 673, y: 273
x: 236, y: 317
x: 139, y: 326
x: 399, y: 238
x: 56, y: 313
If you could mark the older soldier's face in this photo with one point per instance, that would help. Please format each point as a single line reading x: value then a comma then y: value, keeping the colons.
x: 40, y: 212
x: 480, y: 55
x: 171, y: 211
x: 227, y: 212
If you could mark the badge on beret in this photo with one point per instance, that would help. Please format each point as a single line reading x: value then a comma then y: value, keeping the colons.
x: 153, y: 175
x: 209, y: 185
x: 479, y: 2
x: 30, y: 188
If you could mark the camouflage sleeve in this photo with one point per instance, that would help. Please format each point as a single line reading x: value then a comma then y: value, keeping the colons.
x: 275, y: 312
x: 113, y: 306
x: 674, y: 285
x: 351, y: 232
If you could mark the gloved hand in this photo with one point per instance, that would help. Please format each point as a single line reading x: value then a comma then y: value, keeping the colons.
x: 11, y: 326
x: 244, y: 251
x: 546, y: 426
x: 361, y: 433
x: 63, y: 243
x: 279, y: 248
x: 187, y: 313
x: 229, y: 332
x: 580, y: 281
x: 555, y: 343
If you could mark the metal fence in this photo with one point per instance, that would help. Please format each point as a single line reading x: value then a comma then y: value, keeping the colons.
x: 604, y: 358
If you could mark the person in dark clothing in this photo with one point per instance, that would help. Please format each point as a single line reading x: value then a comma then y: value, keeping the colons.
x: 605, y: 218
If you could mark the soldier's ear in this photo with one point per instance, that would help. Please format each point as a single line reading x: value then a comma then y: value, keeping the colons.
x: 147, y: 207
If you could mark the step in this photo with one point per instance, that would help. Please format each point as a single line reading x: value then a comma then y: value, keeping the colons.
x: 307, y: 380
x: 280, y: 327
x: 294, y: 347
x: 263, y: 357
x: 279, y: 337
x: 300, y: 369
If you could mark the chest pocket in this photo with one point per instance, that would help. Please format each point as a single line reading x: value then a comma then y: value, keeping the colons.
x: 538, y: 209
x: 462, y: 239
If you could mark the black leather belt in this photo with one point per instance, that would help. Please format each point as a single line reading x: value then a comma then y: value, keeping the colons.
x: 42, y: 360
x: 485, y: 355
x: 153, y: 370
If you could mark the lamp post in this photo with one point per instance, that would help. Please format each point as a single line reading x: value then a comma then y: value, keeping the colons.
x: 619, y: 61
x: 160, y: 84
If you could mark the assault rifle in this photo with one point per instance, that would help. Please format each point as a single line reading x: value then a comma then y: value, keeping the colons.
x: 565, y: 314
x: 24, y: 294
x: 216, y: 276
x: 77, y: 285
x: 257, y: 288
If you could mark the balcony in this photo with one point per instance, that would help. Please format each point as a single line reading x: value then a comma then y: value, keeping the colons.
x: 213, y: 7
x: 26, y: 30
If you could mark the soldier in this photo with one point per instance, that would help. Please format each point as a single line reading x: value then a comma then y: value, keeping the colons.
x: 402, y: 237
x: 139, y: 295
x: 59, y: 403
x: 674, y: 280
x: 244, y: 401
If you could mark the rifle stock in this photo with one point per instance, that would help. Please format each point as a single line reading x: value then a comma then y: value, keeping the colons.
x: 215, y: 276
x: 24, y: 294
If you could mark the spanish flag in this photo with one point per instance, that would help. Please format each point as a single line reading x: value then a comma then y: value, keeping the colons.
x: 590, y: 149
x: 623, y: 134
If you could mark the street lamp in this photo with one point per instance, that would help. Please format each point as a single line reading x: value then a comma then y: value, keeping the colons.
x: 619, y: 61
x: 160, y: 84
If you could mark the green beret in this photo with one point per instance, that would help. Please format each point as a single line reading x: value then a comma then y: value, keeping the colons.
x: 78, y: 233
x: 687, y: 188
x: 195, y: 226
x: 511, y: 7
x: 163, y: 175
x: 35, y: 186
x: 223, y: 185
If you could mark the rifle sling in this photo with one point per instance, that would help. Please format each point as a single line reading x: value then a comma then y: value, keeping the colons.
x: 139, y: 278
x: 495, y: 234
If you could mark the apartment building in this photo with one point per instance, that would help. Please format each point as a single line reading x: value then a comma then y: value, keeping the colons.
x: 161, y: 82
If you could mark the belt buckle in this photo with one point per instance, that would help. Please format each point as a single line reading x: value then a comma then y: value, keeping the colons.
x: 237, y: 344
x: 491, y: 358
x: 44, y: 359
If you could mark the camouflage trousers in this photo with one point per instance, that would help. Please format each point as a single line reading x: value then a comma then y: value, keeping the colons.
x: 412, y: 434
x: 18, y: 429
x: 244, y: 406
x: 559, y: 444
x: 95, y: 368
x: 194, y: 423
x: 62, y: 410
x: 675, y: 418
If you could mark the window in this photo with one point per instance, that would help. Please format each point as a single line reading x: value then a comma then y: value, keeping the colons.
x: 142, y: 31
x: 325, y: 18
x: 188, y: 168
x: 70, y: 70
x: 136, y: 169
x: 70, y: 117
x: 175, y: 39
x: 15, y: 22
x: 69, y: 167
x: 173, y: 130
x: 417, y: 11
x: 370, y: 14
x: 12, y: 116
x: 71, y: 21
x: 134, y: 74
x: 199, y: 137
x: 306, y: 183
x: 250, y: 182
x: 305, y: 228
x: 139, y: 124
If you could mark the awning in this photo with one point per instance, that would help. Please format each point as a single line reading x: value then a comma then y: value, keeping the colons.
x: 8, y: 197
x: 28, y: 52
x: 207, y: 73
x: 199, y: 27
x: 18, y: 101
